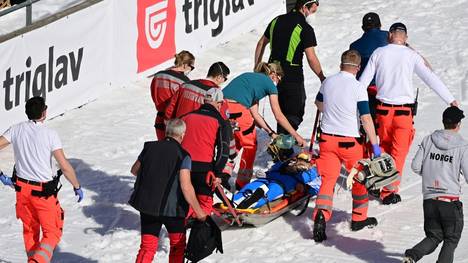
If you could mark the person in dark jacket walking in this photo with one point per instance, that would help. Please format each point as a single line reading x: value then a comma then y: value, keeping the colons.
x: 207, y: 141
x: 163, y: 192
x: 441, y: 159
x: 372, y: 39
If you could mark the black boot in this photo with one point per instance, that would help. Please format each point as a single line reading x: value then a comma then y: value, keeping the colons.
x: 257, y: 195
x: 358, y: 225
x: 319, y: 227
x: 410, y: 256
x: 374, y: 193
x: 408, y: 259
x: 392, y: 198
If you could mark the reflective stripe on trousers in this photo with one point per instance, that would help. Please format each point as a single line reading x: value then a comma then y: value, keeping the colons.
x: 396, y: 133
x: 39, y: 214
x: 335, y: 151
x: 43, y: 254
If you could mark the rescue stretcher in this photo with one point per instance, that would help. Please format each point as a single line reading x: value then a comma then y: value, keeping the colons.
x: 296, y: 203
x: 279, y: 193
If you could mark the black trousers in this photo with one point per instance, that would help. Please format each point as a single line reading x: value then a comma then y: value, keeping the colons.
x: 151, y: 225
x: 199, y: 183
x: 372, y: 106
x: 292, y: 98
x: 443, y: 222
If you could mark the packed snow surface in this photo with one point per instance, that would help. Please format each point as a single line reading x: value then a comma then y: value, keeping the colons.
x: 103, y: 139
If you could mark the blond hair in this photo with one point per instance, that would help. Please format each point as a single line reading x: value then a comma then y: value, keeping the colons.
x: 268, y: 68
x: 183, y: 58
x: 351, y: 58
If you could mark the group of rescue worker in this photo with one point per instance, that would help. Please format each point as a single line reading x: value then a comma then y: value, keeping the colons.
x: 368, y: 84
x: 200, y: 129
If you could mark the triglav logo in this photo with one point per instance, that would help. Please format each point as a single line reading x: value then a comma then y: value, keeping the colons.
x: 156, y: 32
x: 155, y: 23
x: 197, y: 12
x: 39, y: 79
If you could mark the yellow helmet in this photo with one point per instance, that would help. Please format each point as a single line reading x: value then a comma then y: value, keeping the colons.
x: 304, y: 156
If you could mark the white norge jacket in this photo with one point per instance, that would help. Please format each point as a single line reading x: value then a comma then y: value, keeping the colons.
x: 441, y: 158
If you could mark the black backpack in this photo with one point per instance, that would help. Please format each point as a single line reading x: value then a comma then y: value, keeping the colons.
x: 204, y: 238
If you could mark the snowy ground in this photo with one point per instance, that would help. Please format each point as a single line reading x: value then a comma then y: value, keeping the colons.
x: 103, y: 138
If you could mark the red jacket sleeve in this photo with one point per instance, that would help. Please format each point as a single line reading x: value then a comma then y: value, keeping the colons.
x: 171, y: 107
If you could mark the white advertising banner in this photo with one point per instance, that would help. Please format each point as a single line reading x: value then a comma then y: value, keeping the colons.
x: 168, y: 26
x: 204, y: 24
x: 112, y: 43
x: 65, y: 62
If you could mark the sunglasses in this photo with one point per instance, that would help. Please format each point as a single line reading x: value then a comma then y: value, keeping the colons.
x: 278, y: 75
x: 222, y: 72
x: 192, y: 67
x: 308, y: 4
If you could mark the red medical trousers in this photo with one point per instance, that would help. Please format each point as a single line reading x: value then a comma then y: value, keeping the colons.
x: 396, y: 133
x: 38, y: 213
x: 335, y: 151
x: 246, y: 139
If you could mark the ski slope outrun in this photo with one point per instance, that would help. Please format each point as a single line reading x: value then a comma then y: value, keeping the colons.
x: 103, y: 139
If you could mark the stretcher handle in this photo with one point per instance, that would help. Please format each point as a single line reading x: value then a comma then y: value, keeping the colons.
x: 231, y: 210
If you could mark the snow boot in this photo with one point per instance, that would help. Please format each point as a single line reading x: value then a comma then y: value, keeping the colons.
x: 358, y: 225
x: 374, y: 193
x: 410, y: 256
x: 392, y: 198
x: 408, y: 259
x: 246, y: 203
x: 319, y: 227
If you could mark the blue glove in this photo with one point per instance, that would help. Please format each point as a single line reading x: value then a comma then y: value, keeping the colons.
x: 79, y: 193
x: 5, y: 179
x: 376, y: 150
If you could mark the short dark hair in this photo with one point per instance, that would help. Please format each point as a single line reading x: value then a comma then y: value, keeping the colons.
x: 370, y: 20
x: 34, y: 107
x: 218, y: 69
x: 451, y: 117
x: 450, y: 126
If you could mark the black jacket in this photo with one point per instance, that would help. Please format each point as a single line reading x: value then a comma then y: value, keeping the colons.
x: 157, y: 190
